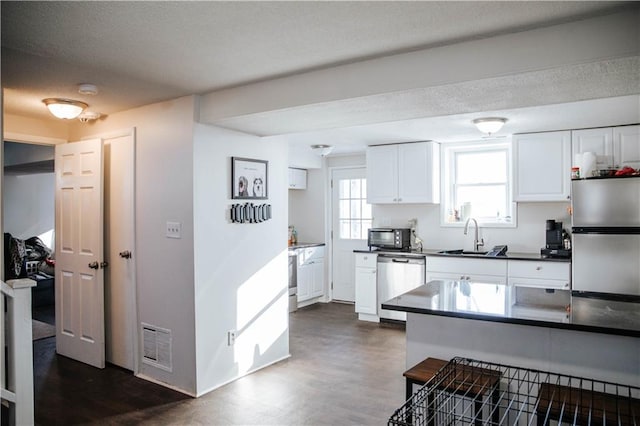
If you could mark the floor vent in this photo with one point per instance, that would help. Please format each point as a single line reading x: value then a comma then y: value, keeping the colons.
x: 157, y: 346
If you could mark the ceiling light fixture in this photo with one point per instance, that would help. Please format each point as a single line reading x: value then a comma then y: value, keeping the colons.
x: 65, y: 109
x: 489, y: 125
x: 322, y: 150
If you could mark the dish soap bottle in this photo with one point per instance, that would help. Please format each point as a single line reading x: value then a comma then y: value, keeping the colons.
x: 294, y: 237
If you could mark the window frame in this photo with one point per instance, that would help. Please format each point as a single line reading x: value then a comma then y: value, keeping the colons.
x: 363, y: 200
x: 448, y: 177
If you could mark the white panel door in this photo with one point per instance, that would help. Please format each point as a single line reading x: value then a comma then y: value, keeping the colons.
x: 626, y: 146
x: 120, y: 295
x: 351, y: 219
x: 79, y: 252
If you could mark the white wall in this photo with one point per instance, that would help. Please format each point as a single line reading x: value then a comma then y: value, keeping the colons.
x: 307, y: 208
x: 164, y: 192
x: 240, y: 269
x: 527, y: 237
x: 30, y: 205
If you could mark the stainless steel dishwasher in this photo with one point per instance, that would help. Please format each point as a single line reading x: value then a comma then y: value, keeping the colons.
x: 398, y: 274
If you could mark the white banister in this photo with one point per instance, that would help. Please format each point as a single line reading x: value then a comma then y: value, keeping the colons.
x: 17, y: 380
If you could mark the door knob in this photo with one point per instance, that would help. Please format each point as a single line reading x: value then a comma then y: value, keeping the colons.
x: 125, y: 254
x: 94, y: 265
x: 104, y: 264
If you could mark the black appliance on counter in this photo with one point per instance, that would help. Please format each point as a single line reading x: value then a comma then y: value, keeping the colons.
x: 557, y: 243
x: 389, y: 239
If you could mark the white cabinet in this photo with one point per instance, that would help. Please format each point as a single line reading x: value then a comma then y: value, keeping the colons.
x: 599, y: 141
x: 297, y: 178
x: 539, y: 274
x: 366, y: 283
x: 614, y: 146
x: 542, y: 166
x: 493, y: 271
x: 310, y: 273
x: 403, y: 173
x: 626, y: 146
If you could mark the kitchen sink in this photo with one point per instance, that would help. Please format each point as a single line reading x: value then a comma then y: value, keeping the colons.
x: 463, y: 252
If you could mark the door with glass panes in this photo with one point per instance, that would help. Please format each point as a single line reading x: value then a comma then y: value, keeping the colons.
x: 351, y: 220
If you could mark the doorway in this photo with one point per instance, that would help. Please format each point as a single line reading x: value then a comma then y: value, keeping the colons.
x: 120, y: 319
x: 28, y: 225
x: 350, y: 221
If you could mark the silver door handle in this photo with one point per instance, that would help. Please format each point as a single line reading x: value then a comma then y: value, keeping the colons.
x: 125, y: 254
x: 94, y: 265
x: 104, y: 264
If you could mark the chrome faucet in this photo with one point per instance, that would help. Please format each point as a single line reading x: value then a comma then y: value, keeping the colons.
x: 476, y: 244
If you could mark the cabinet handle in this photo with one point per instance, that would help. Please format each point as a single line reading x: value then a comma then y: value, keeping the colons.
x: 373, y: 272
x: 399, y: 199
x: 538, y: 268
x: 365, y: 258
x: 566, y: 285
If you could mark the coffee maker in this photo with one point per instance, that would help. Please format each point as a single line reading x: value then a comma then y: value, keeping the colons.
x: 558, y: 244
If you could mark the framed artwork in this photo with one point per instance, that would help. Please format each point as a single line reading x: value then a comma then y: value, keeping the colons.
x: 249, y: 179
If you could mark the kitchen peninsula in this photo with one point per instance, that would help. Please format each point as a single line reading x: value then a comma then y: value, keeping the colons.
x: 593, y: 338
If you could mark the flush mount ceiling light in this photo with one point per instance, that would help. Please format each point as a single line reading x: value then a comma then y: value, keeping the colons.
x: 489, y: 125
x: 66, y: 109
x: 322, y: 150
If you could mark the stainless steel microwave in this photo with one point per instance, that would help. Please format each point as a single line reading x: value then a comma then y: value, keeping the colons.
x: 389, y: 238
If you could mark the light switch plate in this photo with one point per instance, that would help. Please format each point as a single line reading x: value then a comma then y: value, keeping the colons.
x: 174, y: 230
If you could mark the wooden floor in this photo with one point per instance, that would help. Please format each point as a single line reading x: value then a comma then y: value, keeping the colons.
x: 342, y: 371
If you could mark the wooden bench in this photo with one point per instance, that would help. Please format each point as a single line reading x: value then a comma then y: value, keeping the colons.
x: 465, y: 380
x: 581, y: 406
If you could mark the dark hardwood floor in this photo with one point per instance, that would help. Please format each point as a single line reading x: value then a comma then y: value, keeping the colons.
x: 342, y: 371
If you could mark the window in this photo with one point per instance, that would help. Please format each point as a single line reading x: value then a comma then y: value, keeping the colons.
x: 476, y: 183
x: 355, y: 214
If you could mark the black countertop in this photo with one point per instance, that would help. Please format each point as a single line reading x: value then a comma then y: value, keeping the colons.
x: 438, y: 252
x: 491, y: 302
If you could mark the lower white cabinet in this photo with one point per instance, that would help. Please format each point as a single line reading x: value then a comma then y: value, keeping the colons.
x: 310, y: 273
x: 366, y: 283
x: 493, y: 271
x: 543, y: 274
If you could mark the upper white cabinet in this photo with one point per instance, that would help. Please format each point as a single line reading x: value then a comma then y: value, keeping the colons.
x: 542, y: 166
x: 297, y: 178
x: 403, y: 173
x: 598, y: 141
x: 626, y: 146
x: 614, y: 146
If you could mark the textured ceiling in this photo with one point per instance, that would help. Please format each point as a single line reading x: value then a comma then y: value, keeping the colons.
x: 144, y: 52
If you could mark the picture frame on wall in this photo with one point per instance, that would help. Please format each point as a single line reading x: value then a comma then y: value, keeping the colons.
x: 249, y: 179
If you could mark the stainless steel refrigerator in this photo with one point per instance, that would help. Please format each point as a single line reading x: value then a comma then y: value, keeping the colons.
x: 606, y: 235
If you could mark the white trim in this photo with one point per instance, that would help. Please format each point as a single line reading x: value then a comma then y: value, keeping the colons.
x: 38, y: 140
x: 166, y: 385
x: 447, y: 163
x: 329, y: 217
x: 199, y: 394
